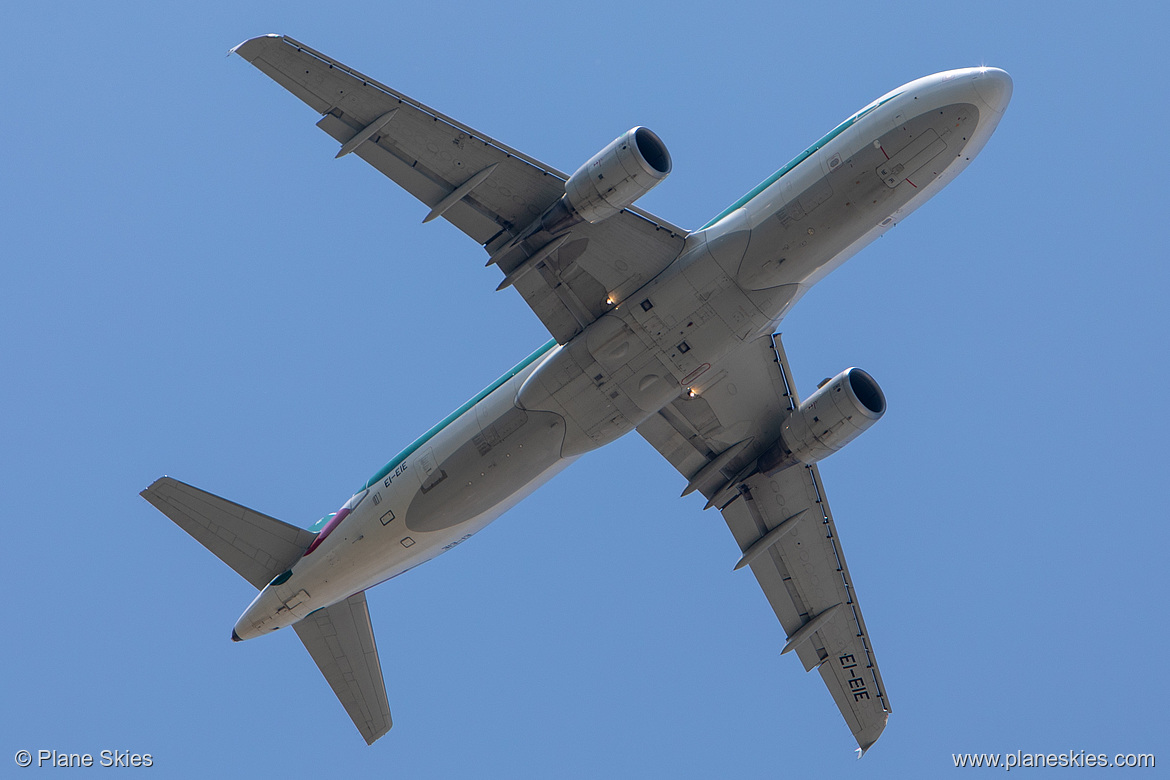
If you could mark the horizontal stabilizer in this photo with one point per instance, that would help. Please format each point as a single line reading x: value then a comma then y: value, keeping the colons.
x: 341, y: 640
x: 256, y: 546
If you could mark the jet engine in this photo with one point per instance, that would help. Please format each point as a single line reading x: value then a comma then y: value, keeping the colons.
x: 625, y: 170
x: 836, y: 414
x: 632, y: 165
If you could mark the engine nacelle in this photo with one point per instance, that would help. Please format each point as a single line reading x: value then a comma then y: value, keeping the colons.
x: 836, y: 414
x: 618, y: 175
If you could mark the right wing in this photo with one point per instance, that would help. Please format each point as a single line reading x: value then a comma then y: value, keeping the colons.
x: 782, y: 523
x: 341, y: 640
x: 807, y: 583
x: 486, y: 189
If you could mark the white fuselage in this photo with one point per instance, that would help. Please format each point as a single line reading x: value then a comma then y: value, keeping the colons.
x: 734, y: 280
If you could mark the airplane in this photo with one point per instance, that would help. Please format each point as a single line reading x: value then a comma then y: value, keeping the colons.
x: 654, y: 328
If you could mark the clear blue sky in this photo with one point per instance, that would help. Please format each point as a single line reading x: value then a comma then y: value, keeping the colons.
x: 192, y: 285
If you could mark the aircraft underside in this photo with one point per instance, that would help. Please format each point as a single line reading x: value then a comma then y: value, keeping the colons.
x: 656, y: 329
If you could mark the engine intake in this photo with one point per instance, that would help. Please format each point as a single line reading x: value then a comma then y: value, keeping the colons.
x: 836, y: 414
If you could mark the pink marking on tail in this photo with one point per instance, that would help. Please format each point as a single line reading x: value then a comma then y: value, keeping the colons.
x: 328, y: 529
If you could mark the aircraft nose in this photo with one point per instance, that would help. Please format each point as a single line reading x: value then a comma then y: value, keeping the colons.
x: 995, y: 88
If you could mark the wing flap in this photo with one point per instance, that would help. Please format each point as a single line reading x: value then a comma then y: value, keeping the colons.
x: 741, y: 398
x: 340, y: 639
x: 256, y: 546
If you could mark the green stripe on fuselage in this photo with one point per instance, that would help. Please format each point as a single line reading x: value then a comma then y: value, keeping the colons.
x: 768, y: 182
x: 455, y: 415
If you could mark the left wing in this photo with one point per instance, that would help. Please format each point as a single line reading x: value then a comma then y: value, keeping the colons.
x: 782, y: 523
x: 486, y: 189
x: 341, y: 640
